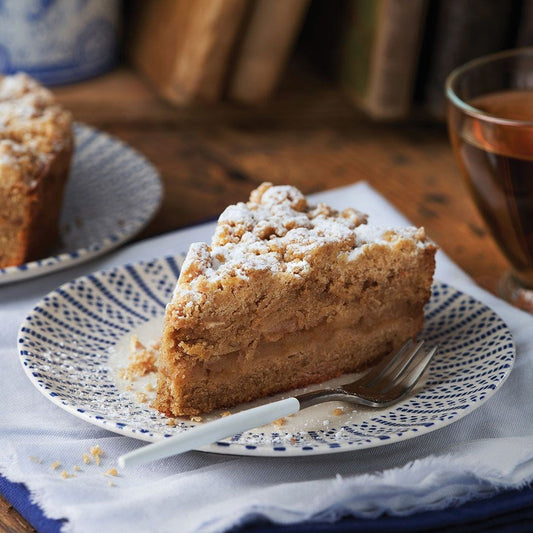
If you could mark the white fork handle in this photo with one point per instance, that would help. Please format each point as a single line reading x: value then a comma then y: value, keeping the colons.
x: 210, y: 432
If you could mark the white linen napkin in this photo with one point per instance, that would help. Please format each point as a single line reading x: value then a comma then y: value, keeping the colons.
x: 488, y: 450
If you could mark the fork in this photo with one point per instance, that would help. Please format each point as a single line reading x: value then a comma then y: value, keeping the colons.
x: 384, y: 384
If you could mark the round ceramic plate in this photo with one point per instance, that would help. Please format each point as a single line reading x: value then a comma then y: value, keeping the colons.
x: 111, y: 194
x: 77, y: 339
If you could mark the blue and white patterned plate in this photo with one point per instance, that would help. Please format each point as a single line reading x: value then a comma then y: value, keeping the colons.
x: 76, y: 340
x: 111, y: 194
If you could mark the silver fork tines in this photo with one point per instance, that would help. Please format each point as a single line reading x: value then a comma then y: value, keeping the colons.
x: 384, y: 384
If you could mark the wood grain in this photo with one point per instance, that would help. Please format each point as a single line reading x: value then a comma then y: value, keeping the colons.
x: 309, y: 136
x: 10, y: 520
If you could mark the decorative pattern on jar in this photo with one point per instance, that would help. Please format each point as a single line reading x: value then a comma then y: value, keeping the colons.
x: 59, y: 41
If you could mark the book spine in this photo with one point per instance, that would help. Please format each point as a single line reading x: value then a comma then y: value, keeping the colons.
x: 395, y: 58
x: 203, y: 61
x: 462, y: 31
x: 272, y: 28
x: 152, y: 45
x: 380, y: 55
x: 184, y: 46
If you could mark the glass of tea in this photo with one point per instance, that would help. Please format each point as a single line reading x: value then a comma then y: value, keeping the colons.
x: 490, y: 120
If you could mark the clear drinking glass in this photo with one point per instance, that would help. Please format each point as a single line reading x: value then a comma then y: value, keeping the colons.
x: 490, y: 121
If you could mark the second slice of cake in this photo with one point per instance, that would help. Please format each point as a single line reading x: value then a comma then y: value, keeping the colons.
x: 36, y: 146
x: 286, y: 295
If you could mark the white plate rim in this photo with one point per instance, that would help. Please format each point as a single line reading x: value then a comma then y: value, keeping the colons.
x: 69, y: 258
x: 230, y: 448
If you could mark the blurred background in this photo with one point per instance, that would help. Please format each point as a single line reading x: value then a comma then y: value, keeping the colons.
x: 389, y: 57
x: 222, y: 95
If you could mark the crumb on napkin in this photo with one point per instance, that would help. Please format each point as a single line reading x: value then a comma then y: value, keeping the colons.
x: 96, y: 452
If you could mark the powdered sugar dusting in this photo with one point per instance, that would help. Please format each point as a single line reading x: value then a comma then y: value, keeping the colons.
x: 278, y: 231
x: 21, y: 97
x: 19, y: 163
x: 32, y: 129
x: 19, y: 85
x: 10, y: 151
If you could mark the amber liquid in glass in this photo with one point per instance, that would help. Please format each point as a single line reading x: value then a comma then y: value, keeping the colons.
x: 497, y: 161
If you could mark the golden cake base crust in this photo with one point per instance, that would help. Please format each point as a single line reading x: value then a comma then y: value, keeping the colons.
x: 200, y: 391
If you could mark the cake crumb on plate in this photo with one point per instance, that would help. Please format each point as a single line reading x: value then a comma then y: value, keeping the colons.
x: 142, y: 360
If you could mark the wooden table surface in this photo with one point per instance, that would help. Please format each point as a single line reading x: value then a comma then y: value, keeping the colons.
x: 308, y: 136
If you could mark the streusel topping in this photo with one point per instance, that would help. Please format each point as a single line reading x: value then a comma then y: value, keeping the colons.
x: 19, y: 164
x: 29, y: 115
x: 20, y: 85
x: 43, y: 129
x: 278, y: 230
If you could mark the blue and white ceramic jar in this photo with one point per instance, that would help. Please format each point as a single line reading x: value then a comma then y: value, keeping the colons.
x: 58, y: 41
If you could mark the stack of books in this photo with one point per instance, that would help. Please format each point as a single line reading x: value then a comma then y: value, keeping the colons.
x: 397, y: 54
x: 207, y: 50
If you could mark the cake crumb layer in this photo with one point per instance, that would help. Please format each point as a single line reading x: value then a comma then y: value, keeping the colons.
x: 288, y: 294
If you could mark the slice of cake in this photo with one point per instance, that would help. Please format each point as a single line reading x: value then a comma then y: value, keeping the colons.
x: 286, y: 295
x: 36, y: 144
